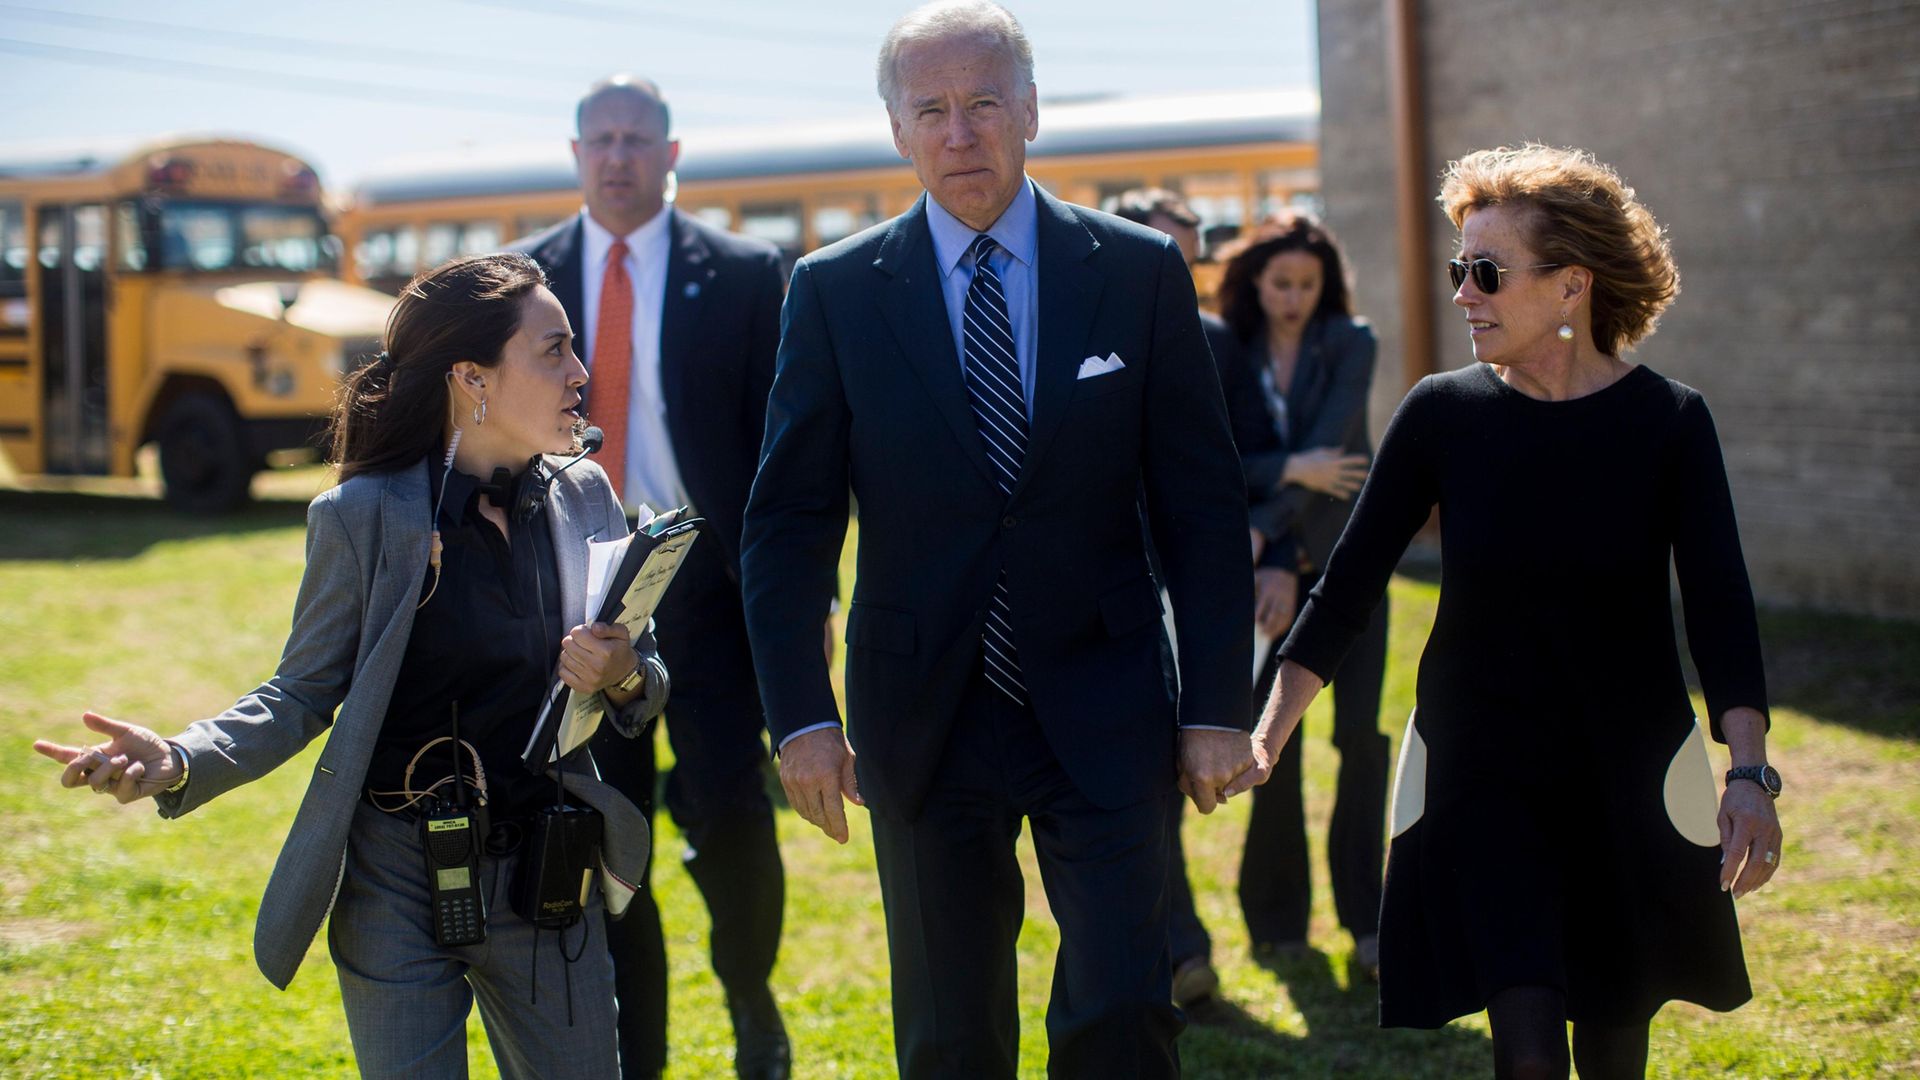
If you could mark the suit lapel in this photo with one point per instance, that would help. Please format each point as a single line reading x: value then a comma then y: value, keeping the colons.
x: 1069, y: 298
x: 406, y: 519
x: 690, y: 272
x: 570, y: 552
x: 567, y: 280
x: 916, y: 310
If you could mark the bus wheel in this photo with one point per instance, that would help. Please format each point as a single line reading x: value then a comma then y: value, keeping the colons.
x: 203, y: 455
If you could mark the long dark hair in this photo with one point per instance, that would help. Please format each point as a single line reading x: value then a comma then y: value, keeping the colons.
x: 393, y: 411
x: 1247, y: 258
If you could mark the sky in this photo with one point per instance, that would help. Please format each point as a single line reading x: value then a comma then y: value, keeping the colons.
x: 352, y: 84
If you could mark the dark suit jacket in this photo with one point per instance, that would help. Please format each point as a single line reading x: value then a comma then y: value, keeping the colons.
x: 719, y: 329
x: 1327, y: 406
x: 869, y: 397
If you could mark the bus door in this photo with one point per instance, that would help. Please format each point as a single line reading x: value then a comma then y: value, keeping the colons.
x: 19, y: 405
x: 73, y: 337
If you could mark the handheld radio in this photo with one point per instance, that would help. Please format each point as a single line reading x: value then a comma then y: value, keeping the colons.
x: 450, y: 834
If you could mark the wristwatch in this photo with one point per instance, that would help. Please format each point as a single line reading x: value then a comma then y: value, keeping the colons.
x: 635, y: 678
x: 179, y: 755
x: 1766, y: 776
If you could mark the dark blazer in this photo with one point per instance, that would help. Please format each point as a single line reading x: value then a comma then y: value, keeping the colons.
x: 869, y: 397
x: 719, y: 328
x: 1327, y: 406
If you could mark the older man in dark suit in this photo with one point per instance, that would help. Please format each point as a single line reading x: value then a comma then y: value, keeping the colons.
x: 1000, y: 379
x: 678, y: 322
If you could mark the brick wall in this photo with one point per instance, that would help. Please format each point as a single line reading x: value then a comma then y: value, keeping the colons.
x: 1779, y: 142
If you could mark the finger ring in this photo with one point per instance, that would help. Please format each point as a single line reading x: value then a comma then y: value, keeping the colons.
x: 1768, y: 858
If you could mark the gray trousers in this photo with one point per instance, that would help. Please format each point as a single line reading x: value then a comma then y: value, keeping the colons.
x: 407, y: 999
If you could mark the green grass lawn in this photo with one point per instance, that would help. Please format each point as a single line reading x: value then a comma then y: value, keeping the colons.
x: 125, y: 941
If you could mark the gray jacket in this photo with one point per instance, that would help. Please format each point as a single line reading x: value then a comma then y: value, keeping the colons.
x: 366, y: 558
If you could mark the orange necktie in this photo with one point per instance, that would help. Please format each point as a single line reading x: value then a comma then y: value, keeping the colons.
x: 612, y: 364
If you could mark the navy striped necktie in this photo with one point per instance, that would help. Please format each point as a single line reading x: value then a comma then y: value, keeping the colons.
x: 1000, y: 408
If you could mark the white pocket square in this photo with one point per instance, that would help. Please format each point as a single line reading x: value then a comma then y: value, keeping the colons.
x: 1093, y: 365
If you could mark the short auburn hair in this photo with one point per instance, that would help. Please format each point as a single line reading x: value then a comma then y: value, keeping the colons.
x: 1578, y: 213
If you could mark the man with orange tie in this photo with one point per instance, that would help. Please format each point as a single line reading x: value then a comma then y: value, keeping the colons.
x: 678, y: 323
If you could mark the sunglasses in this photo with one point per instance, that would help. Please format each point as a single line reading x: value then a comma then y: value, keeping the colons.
x: 1486, y: 273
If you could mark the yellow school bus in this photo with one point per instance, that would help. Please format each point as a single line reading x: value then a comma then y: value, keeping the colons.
x: 181, y: 292
x: 1235, y: 157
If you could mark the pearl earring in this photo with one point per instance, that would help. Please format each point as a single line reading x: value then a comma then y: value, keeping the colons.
x: 1566, y: 329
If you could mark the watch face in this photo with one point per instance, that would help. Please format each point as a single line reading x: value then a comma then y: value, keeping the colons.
x: 1770, y: 779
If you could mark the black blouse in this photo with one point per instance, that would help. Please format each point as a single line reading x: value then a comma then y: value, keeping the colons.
x: 1558, y: 521
x: 488, y: 639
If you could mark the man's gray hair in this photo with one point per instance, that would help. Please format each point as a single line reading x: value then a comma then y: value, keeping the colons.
x: 948, y: 19
x: 644, y: 89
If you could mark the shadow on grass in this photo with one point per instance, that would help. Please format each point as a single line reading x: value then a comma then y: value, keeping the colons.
x: 1844, y: 669
x: 1343, y: 1039
x: 70, y: 526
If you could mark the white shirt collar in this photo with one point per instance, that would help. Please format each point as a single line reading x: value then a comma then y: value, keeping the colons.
x: 599, y: 239
x: 1017, y: 230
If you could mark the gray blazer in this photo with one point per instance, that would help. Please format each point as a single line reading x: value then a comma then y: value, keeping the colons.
x: 366, y: 558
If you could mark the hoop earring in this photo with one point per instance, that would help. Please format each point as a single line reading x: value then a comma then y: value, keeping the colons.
x: 480, y: 410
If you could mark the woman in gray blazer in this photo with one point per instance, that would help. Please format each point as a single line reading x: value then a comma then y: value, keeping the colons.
x: 441, y: 575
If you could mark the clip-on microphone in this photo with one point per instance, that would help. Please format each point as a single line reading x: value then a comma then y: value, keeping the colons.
x: 525, y: 494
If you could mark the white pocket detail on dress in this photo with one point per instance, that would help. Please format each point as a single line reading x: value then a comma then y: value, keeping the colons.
x: 1689, y: 794
x: 1410, y: 779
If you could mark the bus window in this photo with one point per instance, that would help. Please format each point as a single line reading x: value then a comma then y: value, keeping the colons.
x: 272, y: 237
x: 129, y: 237
x: 527, y: 226
x: 1281, y: 189
x: 440, y: 243
x: 13, y: 251
x: 197, y: 238
x: 835, y: 218
x: 717, y: 216
x: 776, y: 223
x: 480, y: 237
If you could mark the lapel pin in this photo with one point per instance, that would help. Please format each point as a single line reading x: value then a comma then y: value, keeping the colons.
x: 693, y: 289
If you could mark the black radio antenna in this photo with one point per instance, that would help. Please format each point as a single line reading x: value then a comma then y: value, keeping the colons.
x: 459, y: 782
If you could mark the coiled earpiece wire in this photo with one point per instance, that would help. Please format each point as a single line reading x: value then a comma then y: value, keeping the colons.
x: 434, y: 547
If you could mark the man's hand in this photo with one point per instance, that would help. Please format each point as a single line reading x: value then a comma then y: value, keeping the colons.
x: 816, y: 769
x: 132, y: 764
x: 1276, y: 592
x: 1209, y: 762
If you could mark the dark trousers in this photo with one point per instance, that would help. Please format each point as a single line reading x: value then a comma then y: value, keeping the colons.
x: 1275, y: 884
x: 717, y: 796
x: 954, y: 899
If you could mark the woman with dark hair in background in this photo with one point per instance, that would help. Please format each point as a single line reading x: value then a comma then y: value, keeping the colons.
x: 1558, y: 854
x: 1285, y: 295
x: 442, y: 574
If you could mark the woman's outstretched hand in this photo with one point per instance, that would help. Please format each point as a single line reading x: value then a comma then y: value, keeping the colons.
x: 132, y: 763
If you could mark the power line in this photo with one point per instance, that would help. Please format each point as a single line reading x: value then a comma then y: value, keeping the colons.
x: 548, y: 105
x: 492, y: 66
x: 727, y: 28
x: 318, y: 48
x: 256, y: 79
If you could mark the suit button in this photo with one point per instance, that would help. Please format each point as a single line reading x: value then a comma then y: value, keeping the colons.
x: 1009, y: 521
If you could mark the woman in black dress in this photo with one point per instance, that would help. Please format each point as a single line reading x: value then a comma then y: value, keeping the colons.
x: 1285, y: 295
x: 1557, y: 852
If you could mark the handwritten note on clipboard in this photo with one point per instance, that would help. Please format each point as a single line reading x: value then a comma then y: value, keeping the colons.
x: 625, y: 580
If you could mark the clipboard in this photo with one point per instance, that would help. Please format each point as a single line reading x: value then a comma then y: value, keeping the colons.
x: 625, y: 580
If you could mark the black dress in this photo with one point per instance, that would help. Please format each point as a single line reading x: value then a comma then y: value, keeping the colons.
x: 1554, y: 814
